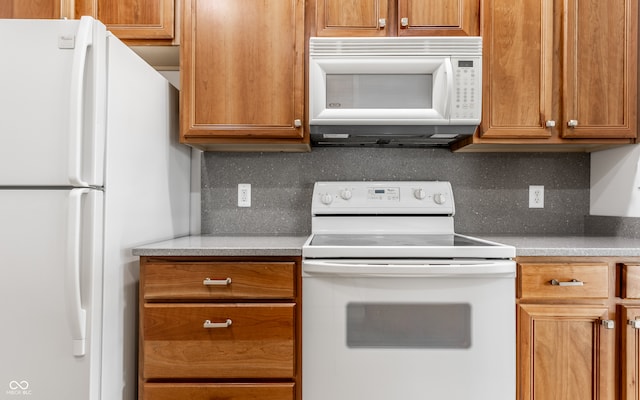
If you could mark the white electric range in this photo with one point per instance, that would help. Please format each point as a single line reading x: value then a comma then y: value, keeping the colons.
x: 397, y: 305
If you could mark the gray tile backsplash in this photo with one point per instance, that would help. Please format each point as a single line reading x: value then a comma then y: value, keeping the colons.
x: 490, y: 189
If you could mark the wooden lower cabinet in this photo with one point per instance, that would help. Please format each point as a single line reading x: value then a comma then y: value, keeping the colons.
x: 226, y: 391
x: 565, y: 352
x: 219, y: 328
x: 576, y: 335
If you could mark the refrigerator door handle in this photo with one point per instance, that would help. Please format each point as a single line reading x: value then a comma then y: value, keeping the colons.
x: 76, y: 314
x: 84, y: 39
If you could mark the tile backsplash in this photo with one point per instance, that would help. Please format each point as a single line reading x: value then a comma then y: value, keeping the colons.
x: 490, y: 189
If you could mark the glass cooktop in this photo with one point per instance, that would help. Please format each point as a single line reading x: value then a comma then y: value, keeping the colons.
x: 394, y: 240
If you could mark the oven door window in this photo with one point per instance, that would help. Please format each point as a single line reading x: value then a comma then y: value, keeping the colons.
x: 409, y: 325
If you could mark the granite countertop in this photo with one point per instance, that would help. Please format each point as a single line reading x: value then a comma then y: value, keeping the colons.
x: 570, y: 246
x: 233, y: 246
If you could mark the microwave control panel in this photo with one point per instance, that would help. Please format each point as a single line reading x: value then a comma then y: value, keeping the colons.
x: 467, y: 89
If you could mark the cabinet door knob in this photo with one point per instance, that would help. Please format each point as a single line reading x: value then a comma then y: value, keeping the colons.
x: 404, y: 22
x: 211, y: 325
x: 297, y: 123
x: 608, y: 323
x: 382, y: 23
x: 572, y: 123
x: 216, y: 282
x: 550, y: 123
x: 634, y: 323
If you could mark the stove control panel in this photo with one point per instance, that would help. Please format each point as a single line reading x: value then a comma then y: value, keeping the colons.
x: 383, y: 197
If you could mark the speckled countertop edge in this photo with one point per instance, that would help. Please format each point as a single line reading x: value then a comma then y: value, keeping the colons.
x: 560, y: 246
x: 570, y: 246
x: 233, y: 246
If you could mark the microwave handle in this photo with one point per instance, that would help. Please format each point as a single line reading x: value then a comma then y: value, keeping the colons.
x: 449, y: 91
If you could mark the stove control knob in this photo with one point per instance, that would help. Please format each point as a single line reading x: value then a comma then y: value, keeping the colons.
x: 439, y: 198
x: 326, y: 199
x: 420, y: 194
x: 346, y: 194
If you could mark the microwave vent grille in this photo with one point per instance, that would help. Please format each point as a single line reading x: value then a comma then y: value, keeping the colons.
x: 396, y: 46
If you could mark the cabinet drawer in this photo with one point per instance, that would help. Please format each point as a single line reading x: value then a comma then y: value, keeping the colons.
x: 257, y: 343
x: 630, y: 281
x: 226, y: 391
x: 563, y: 280
x: 219, y: 280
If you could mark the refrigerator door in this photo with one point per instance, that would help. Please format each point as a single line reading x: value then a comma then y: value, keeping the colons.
x: 146, y: 200
x: 50, y: 294
x: 52, y: 101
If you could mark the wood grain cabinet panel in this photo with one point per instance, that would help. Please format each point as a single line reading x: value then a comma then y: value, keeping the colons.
x: 35, y: 9
x: 226, y: 391
x: 397, y: 18
x: 630, y: 352
x: 223, y: 280
x: 558, y: 72
x: 133, y: 19
x: 630, y: 281
x: 242, y: 74
x: 220, y: 328
x: 578, y: 342
x: 563, y: 281
x: 249, y: 341
x: 565, y: 353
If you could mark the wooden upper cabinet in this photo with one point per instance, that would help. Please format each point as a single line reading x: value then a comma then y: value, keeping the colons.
x: 36, y: 9
x: 352, y: 18
x: 600, y: 78
x: 242, y: 75
x: 132, y: 19
x: 438, y: 18
x: 518, y: 66
x: 397, y: 17
x: 560, y: 70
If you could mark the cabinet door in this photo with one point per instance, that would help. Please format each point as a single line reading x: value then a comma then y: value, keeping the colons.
x: 242, y: 70
x: 517, y: 71
x: 132, y: 19
x: 438, y: 17
x: 630, y: 353
x: 600, y: 77
x: 564, y: 352
x: 35, y: 9
x: 352, y: 18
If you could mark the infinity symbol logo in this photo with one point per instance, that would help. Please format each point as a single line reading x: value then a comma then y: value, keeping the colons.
x: 14, y: 385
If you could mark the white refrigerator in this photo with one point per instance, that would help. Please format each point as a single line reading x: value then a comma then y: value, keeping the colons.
x: 90, y: 167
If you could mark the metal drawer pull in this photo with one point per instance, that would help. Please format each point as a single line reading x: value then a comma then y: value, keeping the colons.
x: 635, y: 323
x: 216, y: 282
x: 608, y: 323
x: 573, y: 282
x: 208, y: 324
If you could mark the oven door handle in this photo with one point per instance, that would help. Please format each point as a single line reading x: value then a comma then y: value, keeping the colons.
x: 489, y: 269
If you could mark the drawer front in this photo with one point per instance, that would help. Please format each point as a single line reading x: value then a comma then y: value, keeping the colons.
x: 219, y: 280
x: 563, y: 281
x: 226, y: 391
x: 630, y: 281
x: 238, y: 341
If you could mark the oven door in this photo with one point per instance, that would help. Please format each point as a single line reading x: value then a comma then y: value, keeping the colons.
x: 410, y: 329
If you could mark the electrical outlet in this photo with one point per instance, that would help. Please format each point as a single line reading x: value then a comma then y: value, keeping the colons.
x: 244, y: 195
x: 536, y: 196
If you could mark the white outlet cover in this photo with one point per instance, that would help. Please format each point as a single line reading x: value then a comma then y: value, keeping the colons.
x: 536, y: 196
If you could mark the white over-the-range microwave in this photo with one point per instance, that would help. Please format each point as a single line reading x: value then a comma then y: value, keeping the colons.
x: 394, y: 91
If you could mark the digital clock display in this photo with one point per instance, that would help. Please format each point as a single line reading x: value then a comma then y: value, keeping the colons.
x: 384, y: 194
